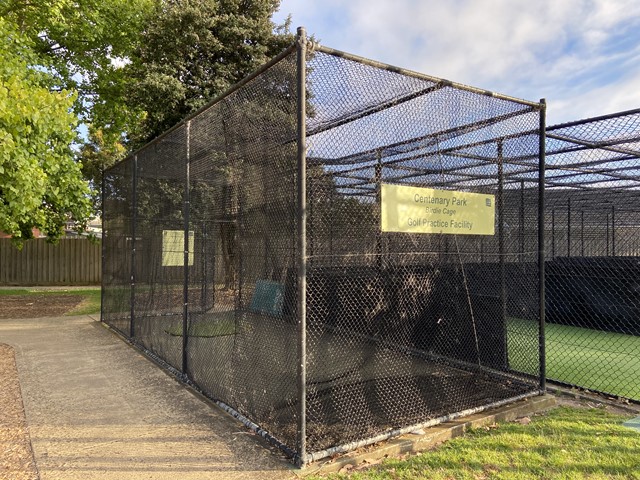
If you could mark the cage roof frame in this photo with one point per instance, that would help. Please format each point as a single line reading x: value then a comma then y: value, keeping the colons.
x: 612, y: 151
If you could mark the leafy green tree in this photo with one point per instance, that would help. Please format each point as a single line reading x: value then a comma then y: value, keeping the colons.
x: 41, y: 185
x: 84, y: 44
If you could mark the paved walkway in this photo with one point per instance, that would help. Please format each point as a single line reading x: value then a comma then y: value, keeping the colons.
x: 98, y: 409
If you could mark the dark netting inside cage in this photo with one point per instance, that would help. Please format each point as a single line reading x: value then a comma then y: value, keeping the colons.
x: 593, y: 253
x: 402, y: 287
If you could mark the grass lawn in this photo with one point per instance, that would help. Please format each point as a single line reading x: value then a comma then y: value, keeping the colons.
x: 602, y: 361
x: 89, y: 305
x: 565, y: 443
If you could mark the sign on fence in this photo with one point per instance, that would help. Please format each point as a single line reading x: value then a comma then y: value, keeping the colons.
x: 427, y: 210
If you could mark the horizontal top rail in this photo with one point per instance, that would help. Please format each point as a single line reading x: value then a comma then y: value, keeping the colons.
x: 422, y: 76
x: 584, y: 121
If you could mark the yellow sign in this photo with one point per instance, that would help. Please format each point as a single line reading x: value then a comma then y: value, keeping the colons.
x: 426, y: 210
x: 173, y: 248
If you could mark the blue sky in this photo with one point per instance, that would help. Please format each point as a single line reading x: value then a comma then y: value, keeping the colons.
x: 583, y: 56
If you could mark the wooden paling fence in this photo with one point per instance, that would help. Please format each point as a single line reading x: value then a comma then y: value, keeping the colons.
x: 73, y: 261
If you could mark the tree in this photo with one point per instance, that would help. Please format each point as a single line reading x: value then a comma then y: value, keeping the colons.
x: 99, y: 151
x: 40, y: 184
x: 83, y: 44
x: 192, y: 51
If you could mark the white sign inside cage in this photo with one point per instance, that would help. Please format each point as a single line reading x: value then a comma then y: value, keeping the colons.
x: 173, y: 248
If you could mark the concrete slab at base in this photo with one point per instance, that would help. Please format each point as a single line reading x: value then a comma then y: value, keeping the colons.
x: 432, y: 436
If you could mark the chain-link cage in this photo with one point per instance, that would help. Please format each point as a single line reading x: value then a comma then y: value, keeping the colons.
x: 407, y: 327
x: 592, y: 222
x: 355, y: 331
x: 117, y: 246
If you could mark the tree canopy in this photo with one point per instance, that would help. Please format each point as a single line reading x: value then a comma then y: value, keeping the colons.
x: 81, y: 47
x: 192, y: 51
x: 83, y: 43
x: 41, y: 185
x: 128, y: 69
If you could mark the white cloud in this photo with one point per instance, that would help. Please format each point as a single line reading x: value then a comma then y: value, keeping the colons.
x: 575, y: 104
x: 569, y: 51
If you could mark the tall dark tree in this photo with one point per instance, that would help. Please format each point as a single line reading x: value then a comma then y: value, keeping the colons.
x: 192, y: 51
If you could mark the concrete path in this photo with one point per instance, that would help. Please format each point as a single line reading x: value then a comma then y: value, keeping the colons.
x: 98, y: 409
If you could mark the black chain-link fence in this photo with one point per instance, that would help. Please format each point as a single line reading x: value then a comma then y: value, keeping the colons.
x: 593, y: 254
x: 413, y: 294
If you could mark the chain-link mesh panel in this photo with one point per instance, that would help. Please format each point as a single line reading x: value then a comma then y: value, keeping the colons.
x: 406, y: 327
x: 159, y: 249
x: 225, y: 181
x: 243, y: 187
x: 117, y: 241
x: 592, y: 223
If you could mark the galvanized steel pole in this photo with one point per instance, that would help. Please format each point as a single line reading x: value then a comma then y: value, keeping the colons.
x: 568, y: 226
x: 302, y: 252
x: 501, y: 249
x: 613, y: 230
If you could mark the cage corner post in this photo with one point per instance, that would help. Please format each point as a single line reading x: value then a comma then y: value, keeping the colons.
x: 541, y: 250
x: 301, y: 65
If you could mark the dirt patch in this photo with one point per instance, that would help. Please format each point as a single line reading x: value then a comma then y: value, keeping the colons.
x: 38, y: 305
x: 584, y: 399
x: 16, y: 456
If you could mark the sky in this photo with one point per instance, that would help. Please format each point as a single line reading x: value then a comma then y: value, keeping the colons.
x: 583, y: 56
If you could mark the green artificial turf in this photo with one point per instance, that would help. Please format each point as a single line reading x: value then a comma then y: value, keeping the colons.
x: 565, y: 443
x: 602, y: 361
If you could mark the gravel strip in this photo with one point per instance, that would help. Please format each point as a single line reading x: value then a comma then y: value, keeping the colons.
x: 16, y: 455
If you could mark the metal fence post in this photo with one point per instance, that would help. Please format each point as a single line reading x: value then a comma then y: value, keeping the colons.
x: 203, y: 273
x: 522, y: 219
x: 378, y: 186
x: 582, y: 233
x: 606, y: 236
x: 302, y: 254
x: 541, y: 255
x: 134, y: 221
x: 553, y: 233
x: 185, y: 289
